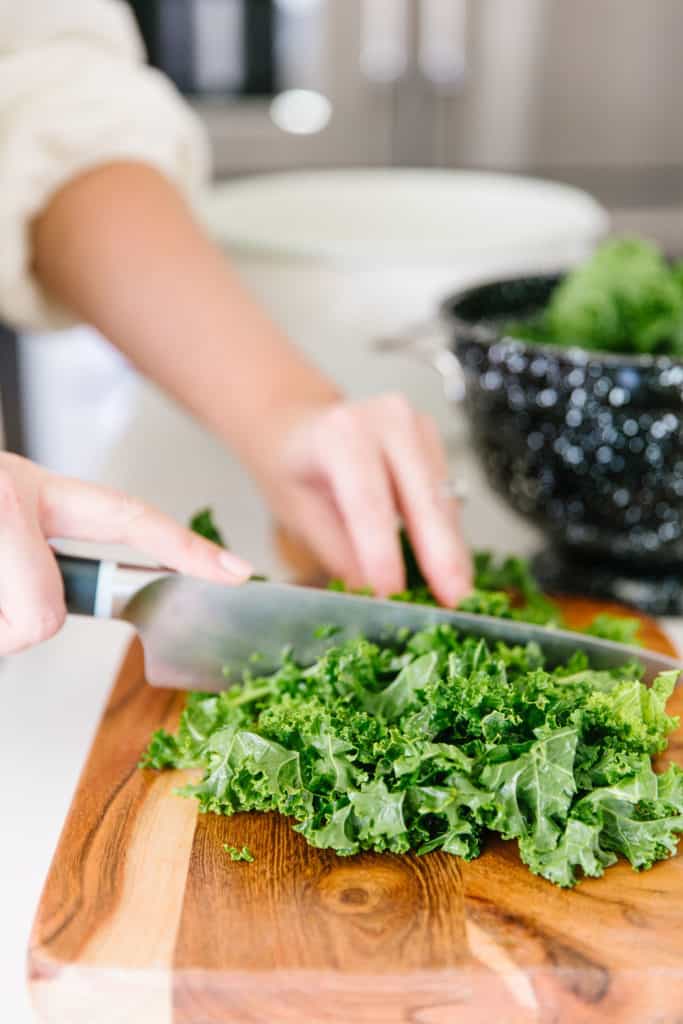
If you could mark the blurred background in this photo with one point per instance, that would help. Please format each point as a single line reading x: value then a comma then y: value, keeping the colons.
x: 445, y: 103
x: 582, y: 92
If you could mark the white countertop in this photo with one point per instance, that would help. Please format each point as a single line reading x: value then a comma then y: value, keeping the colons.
x: 52, y: 698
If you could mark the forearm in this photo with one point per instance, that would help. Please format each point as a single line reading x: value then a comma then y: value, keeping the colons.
x: 120, y: 248
x: 187, y: 322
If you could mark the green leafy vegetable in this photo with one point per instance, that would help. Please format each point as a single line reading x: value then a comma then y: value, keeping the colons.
x: 506, y: 588
x: 203, y: 524
x: 237, y: 854
x: 433, y: 742
x: 626, y: 298
x: 515, y: 575
x: 619, y: 630
x: 436, y: 740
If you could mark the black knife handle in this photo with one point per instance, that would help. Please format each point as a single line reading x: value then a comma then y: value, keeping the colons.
x: 80, y: 576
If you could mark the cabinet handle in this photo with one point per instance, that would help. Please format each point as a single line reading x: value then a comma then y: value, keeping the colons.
x: 384, y: 40
x: 442, y: 46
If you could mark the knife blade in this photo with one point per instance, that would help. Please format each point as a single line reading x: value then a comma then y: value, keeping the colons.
x: 203, y: 636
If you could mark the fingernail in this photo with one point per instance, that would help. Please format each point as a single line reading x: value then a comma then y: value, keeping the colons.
x: 235, y: 566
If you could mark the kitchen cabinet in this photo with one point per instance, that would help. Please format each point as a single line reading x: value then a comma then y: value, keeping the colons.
x: 586, y: 92
x: 306, y: 84
x: 583, y: 92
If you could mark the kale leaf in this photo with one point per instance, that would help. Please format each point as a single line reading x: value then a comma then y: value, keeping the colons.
x: 625, y: 298
x: 202, y: 523
x: 506, y: 588
x: 434, y: 742
x: 237, y: 854
x: 617, y: 629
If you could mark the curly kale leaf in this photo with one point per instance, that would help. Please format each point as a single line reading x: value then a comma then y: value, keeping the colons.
x: 202, y: 522
x: 237, y: 854
x: 437, y: 740
x: 533, y: 792
x: 618, y: 629
x: 579, y: 848
x: 162, y: 752
x: 625, y: 298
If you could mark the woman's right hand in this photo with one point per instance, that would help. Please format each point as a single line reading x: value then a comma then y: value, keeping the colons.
x: 36, y: 504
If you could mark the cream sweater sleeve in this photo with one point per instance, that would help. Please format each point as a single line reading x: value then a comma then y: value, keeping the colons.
x: 75, y: 93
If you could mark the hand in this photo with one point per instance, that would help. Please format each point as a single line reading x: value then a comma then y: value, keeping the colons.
x: 343, y: 477
x: 35, y: 504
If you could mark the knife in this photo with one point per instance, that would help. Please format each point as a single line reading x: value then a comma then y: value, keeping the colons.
x: 204, y: 636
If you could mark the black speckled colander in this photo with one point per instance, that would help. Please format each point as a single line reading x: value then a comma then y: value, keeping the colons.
x: 588, y: 445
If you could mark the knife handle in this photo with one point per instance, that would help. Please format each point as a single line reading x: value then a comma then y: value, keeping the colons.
x: 87, y: 585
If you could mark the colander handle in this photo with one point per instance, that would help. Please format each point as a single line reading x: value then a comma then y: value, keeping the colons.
x: 428, y: 342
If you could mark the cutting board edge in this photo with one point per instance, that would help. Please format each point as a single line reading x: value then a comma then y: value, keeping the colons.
x: 82, y: 994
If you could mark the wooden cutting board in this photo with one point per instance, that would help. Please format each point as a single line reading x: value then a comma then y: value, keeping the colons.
x: 145, y: 920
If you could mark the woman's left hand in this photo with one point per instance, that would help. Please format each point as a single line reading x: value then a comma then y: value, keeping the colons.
x: 343, y: 477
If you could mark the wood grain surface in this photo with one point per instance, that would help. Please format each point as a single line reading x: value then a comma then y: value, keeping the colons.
x: 145, y: 920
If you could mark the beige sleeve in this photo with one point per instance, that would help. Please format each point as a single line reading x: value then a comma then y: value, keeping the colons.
x: 75, y: 93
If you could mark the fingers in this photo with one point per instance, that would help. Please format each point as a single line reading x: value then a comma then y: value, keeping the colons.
x: 77, y: 510
x: 31, y: 594
x: 418, y: 467
x: 462, y: 561
x: 362, y: 490
x: 382, y: 460
x: 326, y: 535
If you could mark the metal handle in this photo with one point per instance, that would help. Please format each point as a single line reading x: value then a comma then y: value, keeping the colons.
x: 427, y: 342
x: 442, y: 48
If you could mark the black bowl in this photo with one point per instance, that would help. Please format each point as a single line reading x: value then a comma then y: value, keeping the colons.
x: 587, y: 445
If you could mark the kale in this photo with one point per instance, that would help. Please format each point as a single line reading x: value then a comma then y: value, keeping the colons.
x: 506, y: 588
x: 237, y: 854
x: 203, y: 524
x: 611, y: 627
x: 626, y: 298
x: 435, y: 742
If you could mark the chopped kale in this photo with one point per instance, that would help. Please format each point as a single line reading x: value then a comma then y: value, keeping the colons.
x: 436, y: 741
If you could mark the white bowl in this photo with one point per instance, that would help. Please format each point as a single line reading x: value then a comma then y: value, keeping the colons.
x: 389, y: 216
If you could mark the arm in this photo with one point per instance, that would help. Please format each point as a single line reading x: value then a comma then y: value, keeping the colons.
x: 119, y: 247
x: 96, y: 152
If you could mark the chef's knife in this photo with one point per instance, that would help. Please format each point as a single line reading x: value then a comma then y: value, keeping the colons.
x: 203, y: 636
